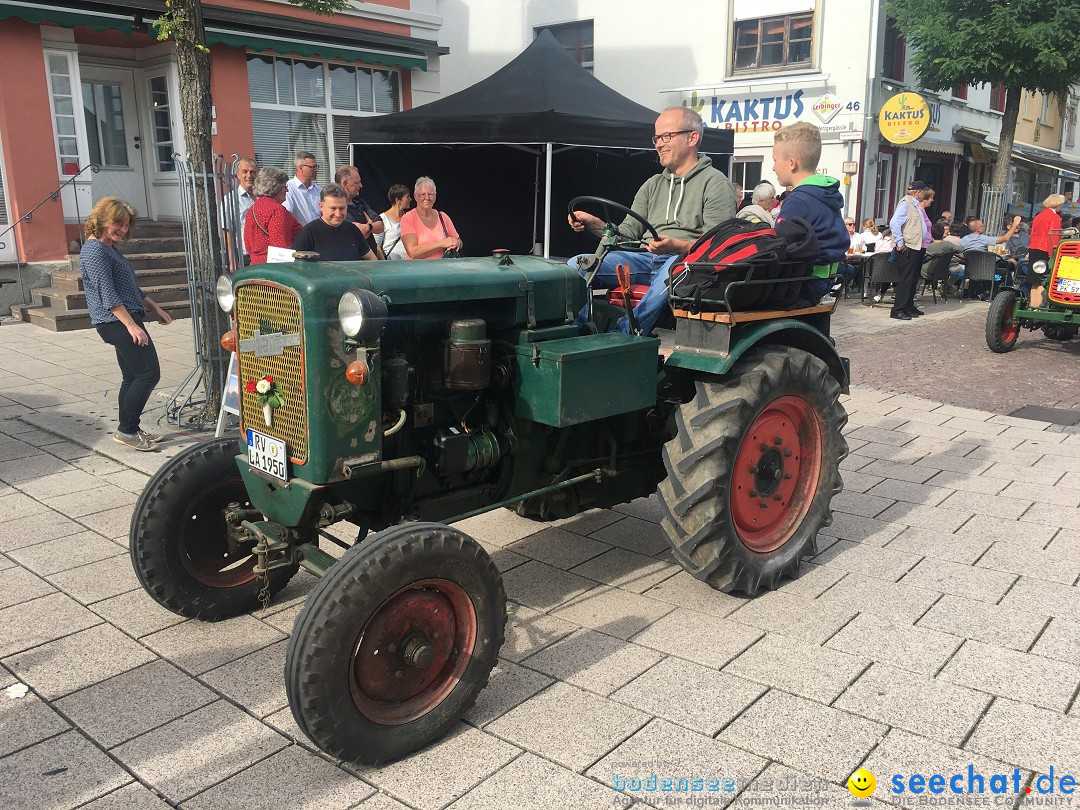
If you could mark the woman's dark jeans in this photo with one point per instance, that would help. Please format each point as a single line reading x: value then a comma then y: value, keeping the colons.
x: 140, y: 370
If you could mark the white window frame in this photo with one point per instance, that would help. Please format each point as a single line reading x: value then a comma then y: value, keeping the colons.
x: 166, y: 72
x: 326, y: 109
x: 75, y: 81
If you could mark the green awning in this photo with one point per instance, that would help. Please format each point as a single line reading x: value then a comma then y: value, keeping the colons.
x: 65, y: 17
x: 310, y: 48
x: 102, y: 21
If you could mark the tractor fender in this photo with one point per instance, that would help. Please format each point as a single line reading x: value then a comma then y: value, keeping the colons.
x: 783, y: 332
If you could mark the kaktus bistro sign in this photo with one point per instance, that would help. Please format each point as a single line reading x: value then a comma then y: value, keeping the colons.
x: 769, y: 113
x: 904, y: 118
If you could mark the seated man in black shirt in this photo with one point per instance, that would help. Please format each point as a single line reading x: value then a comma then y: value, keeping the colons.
x: 329, y: 235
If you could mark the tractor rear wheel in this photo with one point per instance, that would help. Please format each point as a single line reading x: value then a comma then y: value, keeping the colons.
x: 179, y: 541
x: 1002, y: 330
x: 395, y: 643
x: 753, y: 469
x: 1059, y: 331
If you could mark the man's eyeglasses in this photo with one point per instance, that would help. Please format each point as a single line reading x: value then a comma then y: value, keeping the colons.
x: 667, y: 136
x: 313, y: 166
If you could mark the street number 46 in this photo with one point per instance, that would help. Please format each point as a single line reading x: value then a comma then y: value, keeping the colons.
x: 852, y: 105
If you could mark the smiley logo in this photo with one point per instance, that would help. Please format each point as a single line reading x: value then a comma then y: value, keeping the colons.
x: 861, y: 783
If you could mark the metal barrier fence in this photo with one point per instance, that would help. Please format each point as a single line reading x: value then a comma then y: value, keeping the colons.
x: 992, y: 207
x: 211, y: 247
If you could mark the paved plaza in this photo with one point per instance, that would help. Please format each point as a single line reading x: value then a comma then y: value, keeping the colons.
x: 937, y: 629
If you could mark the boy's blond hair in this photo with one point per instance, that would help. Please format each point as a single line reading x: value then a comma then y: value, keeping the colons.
x: 801, y: 141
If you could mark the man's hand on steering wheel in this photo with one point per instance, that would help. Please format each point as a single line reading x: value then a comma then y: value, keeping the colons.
x: 580, y: 220
x: 666, y: 245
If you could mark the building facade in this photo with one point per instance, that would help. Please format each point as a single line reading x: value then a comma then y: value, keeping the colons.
x: 86, y: 84
x: 755, y: 67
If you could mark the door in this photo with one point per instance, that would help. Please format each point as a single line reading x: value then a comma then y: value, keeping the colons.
x: 882, y: 189
x: 7, y: 237
x: 113, y: 136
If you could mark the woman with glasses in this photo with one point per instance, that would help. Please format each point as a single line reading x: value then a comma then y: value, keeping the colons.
x: 426, y: 232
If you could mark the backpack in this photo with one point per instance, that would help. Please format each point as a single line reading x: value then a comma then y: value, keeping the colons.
x: 723, y: 254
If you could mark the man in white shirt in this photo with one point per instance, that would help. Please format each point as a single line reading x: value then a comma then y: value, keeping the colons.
x: 246, y: 169
x: 303, y: 193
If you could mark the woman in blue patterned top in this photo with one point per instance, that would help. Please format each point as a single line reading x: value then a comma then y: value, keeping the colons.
x: 117, y: 308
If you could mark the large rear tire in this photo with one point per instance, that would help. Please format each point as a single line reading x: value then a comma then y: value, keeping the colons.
x: 179, y: 538
x: 395, y: 643
x: 1002, y: 330
x: 753, y: 469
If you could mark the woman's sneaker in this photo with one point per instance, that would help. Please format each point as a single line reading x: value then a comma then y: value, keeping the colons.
x: 135, y: 442
x: 150, y: 437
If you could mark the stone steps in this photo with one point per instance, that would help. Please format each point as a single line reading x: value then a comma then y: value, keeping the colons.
x: 159, y: 261
x: 57, y: 320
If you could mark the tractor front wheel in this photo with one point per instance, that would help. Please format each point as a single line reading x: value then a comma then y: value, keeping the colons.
x: 180, y: 545
x: 395, y: 643
x: 1002, y: 330
x: 753, y: 469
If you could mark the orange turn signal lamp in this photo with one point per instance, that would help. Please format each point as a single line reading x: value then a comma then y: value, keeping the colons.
x: 357, y: 372
x: 228, y: 341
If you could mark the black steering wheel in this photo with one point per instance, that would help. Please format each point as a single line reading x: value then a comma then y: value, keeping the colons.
x: 608, y: 205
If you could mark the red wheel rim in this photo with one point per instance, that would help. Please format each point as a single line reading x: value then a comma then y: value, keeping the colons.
x: 413, y: 651
x: 203, y: 538
x: 1009, y: 329
x: 776, y: 473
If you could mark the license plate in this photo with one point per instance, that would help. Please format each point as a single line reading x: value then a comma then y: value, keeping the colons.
x: 1068, y: 285
x: 1069, y: 267
x: 267, y: 454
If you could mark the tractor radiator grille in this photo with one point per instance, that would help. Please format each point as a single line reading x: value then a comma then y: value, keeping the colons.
x: 272, y: 309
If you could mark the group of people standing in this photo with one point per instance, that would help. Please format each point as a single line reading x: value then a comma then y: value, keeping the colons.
x: 297, y: 214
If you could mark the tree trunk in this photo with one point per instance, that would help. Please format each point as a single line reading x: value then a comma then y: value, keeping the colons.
x: 1000, y: 177
x: 193, y: 68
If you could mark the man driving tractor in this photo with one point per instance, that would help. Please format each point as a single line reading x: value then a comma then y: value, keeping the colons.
x: 688, y: 198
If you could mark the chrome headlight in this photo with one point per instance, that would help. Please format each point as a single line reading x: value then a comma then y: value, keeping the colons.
x: 226, y: 298
x: 1039, y: 267
x: 362, y: 315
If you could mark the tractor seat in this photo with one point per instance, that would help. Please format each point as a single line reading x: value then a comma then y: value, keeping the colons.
x: 637, y: 292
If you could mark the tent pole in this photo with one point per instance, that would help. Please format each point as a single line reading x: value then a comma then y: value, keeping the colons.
x: 547, y: 201
x: 536, y: 201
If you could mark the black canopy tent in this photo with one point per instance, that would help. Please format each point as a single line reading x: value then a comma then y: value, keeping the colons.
x: 525, y: 140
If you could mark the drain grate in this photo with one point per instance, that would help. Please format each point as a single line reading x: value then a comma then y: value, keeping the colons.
x: 1055, y: 416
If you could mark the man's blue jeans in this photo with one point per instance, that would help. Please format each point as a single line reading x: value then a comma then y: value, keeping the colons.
x: 645, y: 268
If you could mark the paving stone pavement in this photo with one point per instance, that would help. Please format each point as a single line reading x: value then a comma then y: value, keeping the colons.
x: 937, y: 627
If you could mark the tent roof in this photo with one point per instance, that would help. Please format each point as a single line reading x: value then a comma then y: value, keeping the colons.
x: 542, y: 96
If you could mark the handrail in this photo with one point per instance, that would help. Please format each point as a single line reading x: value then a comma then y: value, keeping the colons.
x: 55, y: 195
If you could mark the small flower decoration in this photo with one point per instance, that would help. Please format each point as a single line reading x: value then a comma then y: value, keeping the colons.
x: 269, y: 395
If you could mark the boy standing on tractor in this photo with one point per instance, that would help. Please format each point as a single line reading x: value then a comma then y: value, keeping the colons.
x: 815, y: 197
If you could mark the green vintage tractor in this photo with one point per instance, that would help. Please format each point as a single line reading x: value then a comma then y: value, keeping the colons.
x: 1058, y: 315
x: 401, y: 397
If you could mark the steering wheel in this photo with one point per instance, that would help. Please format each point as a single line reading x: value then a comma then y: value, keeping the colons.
x: 608, y: 205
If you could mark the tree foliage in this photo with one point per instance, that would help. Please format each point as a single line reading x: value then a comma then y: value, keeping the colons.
x: 1031, y: 44
x: 1024, y: 45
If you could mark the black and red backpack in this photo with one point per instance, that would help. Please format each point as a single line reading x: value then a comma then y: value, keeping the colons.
x: 737, y: 250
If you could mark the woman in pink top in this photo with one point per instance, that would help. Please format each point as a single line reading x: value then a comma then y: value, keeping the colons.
x: 425, y: 232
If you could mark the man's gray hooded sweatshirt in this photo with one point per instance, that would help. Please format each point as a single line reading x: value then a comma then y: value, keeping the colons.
x: 682, y: 207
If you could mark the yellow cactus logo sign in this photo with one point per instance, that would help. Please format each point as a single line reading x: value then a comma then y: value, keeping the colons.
x: 904, y: 118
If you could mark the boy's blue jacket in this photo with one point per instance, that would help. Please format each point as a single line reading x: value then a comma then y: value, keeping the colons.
x: 817, y: 199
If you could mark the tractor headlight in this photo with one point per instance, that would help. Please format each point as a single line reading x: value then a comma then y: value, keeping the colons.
x: 1039, y: 267
x: 362, y: 314
x: 226, y: 298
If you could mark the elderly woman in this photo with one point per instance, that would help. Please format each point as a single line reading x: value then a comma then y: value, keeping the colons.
x: 1045, y: 234
x: 425, y: 232
x: 268, y: 223
x: 117, y: 309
